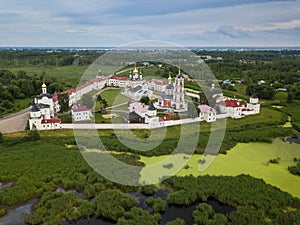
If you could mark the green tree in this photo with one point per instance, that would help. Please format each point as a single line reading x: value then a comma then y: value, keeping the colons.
x: 177, y: 221
x: 145, y: 100
x: 15, y: 91
x: 102, y: 103
x: 2, y: 212
x: 55, y: 87
x: 63, y: 101
x: 88, y: 100
x: 158, y: 204
x: 264, y: 91
x: 112, y: 204
x: 138, y: 216
x: 33, y: 135
x: 148, y: 190
x: 1, y: 137
x: 192, y: 110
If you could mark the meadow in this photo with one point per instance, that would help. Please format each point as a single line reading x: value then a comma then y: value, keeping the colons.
x: 70, y: 75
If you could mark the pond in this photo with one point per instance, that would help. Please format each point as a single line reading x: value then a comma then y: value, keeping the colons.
x: 172, y: 211
x: 247, y: 158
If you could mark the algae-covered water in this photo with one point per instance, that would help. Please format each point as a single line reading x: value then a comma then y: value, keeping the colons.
x: 244, y: 158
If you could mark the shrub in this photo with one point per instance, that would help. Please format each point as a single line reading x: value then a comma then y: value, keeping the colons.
x: 2, y: 212
x: 33, y: 135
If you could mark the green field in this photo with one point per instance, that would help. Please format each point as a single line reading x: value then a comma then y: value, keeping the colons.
x: 69, y: 74
x: 244, y: 158
x: 148, y: 72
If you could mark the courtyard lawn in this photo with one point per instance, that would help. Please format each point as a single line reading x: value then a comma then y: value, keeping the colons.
x: 114, y: 96
x: 244, y: 158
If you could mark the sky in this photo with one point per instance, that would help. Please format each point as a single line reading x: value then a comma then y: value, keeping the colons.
x: 118, y: 22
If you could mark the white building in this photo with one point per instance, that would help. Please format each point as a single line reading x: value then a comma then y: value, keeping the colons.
x: 235, y: 109
x: 136, y: 74
x: 207, y: 113
x: 137, y: 92
x: 173, y: 98
x: 148, y: 114
x: 41, y: 115
x: 232, y: 107
x: 115, y: 81
x: 253, y: 107
x: 139, y: 108
x: 80, y: 113
x: 46, y: 99
x: 157, y: 85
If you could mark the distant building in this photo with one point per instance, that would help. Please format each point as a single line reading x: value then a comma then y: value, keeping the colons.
x: 136, y: 74
x: 236, y: 109
x: 227, y: 81
x: 80, y: 113
x: 253, y: 107
x: 232, y: 107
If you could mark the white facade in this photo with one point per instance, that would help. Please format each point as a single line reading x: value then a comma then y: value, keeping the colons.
x: 235, y: 109
x: 253, y: 107
x: 157, y: 85
x: 80, y: 113
x: 42, y: 110
x: 207, y: 113
x: 139, y: 108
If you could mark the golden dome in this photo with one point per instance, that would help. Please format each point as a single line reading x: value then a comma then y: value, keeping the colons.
x: 44, y: 85
x: 170, y: 78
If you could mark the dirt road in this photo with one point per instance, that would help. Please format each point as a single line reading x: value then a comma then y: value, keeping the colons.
x: 15, y: 122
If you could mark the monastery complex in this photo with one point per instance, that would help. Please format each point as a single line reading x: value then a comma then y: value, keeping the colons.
x: 171, y: 98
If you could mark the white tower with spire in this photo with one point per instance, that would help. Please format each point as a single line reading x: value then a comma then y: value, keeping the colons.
x: 135, y: 73
x: 178, y: 96
x: 44, y: 88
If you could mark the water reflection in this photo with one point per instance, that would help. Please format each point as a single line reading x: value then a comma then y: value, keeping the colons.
x: 15, y: 215
x: 293, y: 140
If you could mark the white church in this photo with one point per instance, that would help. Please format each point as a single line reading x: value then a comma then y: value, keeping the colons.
x: 173, y: 98
x: 42, y: 111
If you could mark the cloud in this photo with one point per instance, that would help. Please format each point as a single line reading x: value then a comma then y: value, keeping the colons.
x: 230, y: 32
x: 287, y: 25
x: 115, y: 22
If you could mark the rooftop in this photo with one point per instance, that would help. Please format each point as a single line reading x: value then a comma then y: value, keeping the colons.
x: 141, y: 107
x: 206, y: 109
x: 80, y: 108
x: 232, y: 103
